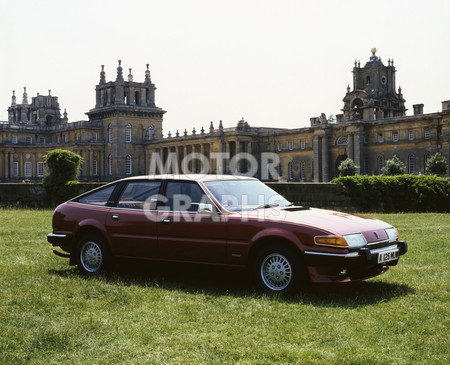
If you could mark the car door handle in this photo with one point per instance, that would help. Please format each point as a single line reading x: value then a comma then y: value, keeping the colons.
x: 115, y: 216
x: 165, y: 221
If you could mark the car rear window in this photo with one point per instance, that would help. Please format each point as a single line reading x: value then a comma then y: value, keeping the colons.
x: 97, y: 197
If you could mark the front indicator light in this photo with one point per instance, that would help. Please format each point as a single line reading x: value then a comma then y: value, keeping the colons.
x: 347, y: 241
x: 331, y: 241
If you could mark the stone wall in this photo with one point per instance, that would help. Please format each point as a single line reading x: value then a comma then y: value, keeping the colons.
x: 322, y: 195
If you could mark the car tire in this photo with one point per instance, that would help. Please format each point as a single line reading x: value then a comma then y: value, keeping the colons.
x: 92, y: 255
x: 277, y: 269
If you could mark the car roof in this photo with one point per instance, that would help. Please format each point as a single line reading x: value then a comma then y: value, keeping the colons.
x: 192, y: 177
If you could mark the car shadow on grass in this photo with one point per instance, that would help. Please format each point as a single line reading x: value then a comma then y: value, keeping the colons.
x: 219, y: 281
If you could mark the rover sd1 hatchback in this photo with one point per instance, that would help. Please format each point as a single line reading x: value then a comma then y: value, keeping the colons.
x: 224, y: 220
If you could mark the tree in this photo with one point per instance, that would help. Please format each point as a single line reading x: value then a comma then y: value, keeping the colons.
x: 63, y: 167
x: 436, y: 165
x: 347, y: 168
x: 393, y: 167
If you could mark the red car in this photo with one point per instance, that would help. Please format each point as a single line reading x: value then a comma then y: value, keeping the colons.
x: 222, y: 220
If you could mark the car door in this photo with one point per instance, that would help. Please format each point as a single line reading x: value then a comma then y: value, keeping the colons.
x: 131, y: 223
x: 184, y: 233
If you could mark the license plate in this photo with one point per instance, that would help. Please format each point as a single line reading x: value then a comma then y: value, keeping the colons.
x: 387, y: 256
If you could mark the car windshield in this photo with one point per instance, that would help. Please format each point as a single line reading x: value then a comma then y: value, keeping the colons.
x: 238, y: 195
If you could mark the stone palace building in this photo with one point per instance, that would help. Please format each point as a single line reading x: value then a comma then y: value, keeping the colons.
x: 124, y: 133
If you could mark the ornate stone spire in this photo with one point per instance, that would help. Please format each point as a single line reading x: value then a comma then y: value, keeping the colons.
x: 147, y: 76
x: 119, y: 73
x: 130, y: 76
x: 13, y: 101
x: 211, y: 127
x: 65, y: 119
x: 102, y: 76
x: 25, y: 96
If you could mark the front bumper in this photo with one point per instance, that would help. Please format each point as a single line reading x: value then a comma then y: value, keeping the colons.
x: 355, y: 265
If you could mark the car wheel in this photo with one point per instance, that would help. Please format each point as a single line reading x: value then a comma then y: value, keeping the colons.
x: 92, y: 255
x: 277, y: 269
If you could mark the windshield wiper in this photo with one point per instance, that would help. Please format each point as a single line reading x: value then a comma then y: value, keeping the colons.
x: 267, y: 206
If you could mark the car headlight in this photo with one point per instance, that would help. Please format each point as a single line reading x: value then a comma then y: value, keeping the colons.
x: 392, y: 234
x: 355, y: 240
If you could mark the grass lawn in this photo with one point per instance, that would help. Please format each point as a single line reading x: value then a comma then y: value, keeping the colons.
x: 182, y: 314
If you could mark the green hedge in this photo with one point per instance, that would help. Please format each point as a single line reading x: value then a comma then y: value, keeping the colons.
x: 402, y: 193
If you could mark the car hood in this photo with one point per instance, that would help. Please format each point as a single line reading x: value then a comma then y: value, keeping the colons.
x: 332, y: 222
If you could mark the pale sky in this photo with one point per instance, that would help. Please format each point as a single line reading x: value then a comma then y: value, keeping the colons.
x: 275, y: 63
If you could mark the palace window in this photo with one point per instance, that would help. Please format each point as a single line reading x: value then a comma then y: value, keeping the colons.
x: 14, y: 140
x: 425, y: 160
x: 279, y: 147
x: 128, y: 133
x: 291, y: 146
x: 40, y: 169
x: 302, y: 144
x: 380, y: 137
x: 380, y: 164
x: 411, y: 135
x: 27, y: 169
x: 302, y: 170
x: 29, y: 140
x: 59, y: 139
x: 15, y: 169
x: 42, y: 140
x: 290, y: 171
x: 66, y: 138
x: 395, y: 136
x: 94, y: 167
x: 411, y: 164
x: 427, y: 133
x: 128, y: 165
x: 110, y: 165
x: 109, y: 133
x: 94, y: 137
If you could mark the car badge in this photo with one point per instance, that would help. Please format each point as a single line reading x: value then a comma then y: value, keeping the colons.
x: 376, y: 235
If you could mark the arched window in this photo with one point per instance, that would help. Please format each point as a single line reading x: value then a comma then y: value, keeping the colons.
x: 411, y: 163
x: 342, y: 141
x: 128, y: 133
x: 302, y: 170
x: 128, y: 165
x: 380, y: 164
x: 151, y: 132
x: 425, y: 160
x: 110, y: 165
x: 109, y: 133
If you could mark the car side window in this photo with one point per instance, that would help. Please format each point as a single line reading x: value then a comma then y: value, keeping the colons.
x: 139, y: 195
x: 98, y: 197
x: 183, y: 196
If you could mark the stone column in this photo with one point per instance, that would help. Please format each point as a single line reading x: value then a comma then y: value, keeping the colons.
x: 226, y: 167
x: 211, y: 165
x: 194, y: 161
x: 325, y: 160
x: 202, y: 153
x: 316, y: 158
x: 358, y: 151
x: 33, y: 165
x: 350, y: 147
x: 184, y: 166
x: 237, y: 151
